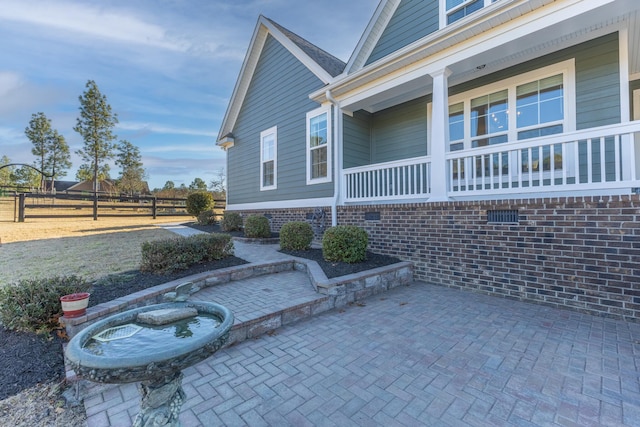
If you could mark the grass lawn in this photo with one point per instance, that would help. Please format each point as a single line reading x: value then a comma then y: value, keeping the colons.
x: 82, y: 246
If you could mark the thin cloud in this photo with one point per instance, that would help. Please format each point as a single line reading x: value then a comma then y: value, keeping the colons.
x: 203, y: 149
x: 89, y: 21
x: 157, y: 128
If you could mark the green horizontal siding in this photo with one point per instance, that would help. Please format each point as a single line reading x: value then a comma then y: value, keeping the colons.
x: 412, y: 20
x: 400, y: 132
x: 597, y: 79
x: 277, y: 96
x: 357, y: 139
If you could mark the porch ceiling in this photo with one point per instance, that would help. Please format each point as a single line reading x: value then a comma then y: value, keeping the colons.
x: 506, y: 53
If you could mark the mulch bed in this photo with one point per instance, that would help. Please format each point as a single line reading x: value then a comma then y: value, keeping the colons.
x: 27, y: 359
x: 119, y: 285
x: 337, y: 269
x: 331, y: 269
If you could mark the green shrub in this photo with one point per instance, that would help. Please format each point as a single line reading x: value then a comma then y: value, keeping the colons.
x: 345, y: 243
x: 34, y: 304
x: 256, y: 226
x: 199, y: 202
x: 169, y: 255
x: 296, y: 236
x: 207, y: 217
x: 231, y: 221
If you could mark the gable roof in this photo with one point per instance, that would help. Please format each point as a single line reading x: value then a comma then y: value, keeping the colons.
x: 322, y: 64
x: 328, y: 62
x: 378, y: 23
x: 59, y: 185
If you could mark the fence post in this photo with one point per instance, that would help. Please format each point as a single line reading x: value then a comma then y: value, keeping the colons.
x: 95, y: 206
x: 21, y: 204
x: 153, y: 207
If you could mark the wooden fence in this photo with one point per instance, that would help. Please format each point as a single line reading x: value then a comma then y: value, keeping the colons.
x: 30, y: 205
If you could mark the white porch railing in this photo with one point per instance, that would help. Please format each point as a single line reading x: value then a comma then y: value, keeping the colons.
x: 595, y: 159
x: 405, y: 179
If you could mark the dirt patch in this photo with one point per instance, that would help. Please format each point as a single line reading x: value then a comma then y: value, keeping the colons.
x: 42, y: 406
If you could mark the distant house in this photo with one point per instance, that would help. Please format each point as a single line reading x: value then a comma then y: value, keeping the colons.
x: 494, y: 143
x: 108, y: 186
x: 105, y: 186
x: 59, y: 186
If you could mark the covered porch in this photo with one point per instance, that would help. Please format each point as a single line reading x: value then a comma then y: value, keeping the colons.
x: 518, y: 101
x: 602, y: 160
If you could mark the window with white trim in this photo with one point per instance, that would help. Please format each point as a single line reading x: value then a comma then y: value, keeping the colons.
x: 454, y: 10
x: 529, y: 105
x: 319, y: 146
x: 539, y: 99
x: 269, y: 159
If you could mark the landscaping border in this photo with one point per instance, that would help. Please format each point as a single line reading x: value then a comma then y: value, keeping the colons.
x: 339, y: 292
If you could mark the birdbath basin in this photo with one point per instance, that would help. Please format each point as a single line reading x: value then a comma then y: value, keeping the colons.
x: 151, y: 345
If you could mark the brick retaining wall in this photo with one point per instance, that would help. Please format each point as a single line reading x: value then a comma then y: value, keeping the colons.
x: 581, y: 253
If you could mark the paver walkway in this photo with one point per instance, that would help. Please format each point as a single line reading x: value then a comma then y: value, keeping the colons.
x: 417, y: 355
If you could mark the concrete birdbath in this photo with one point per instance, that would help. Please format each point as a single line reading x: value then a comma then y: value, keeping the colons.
x: 152, y: 345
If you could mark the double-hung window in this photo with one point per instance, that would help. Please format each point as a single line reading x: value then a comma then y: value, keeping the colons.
x: 530, y: 105
x: 319, y: 146
x: 269, y: 159
x: 454, y: 10
x: 527, y: 106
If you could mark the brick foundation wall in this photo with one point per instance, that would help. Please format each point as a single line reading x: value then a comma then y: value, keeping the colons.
x: 279, y: 217
x: 581, y: 253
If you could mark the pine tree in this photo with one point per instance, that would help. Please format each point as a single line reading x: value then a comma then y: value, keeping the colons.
x: 132, y: 175
x: 95, y: 125
x: 39, y: 133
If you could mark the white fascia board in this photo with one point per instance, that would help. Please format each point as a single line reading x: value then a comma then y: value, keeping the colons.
x: 378, y: 23
x: 282, y: 204
x: 439, y: 51
x: 244, y: 78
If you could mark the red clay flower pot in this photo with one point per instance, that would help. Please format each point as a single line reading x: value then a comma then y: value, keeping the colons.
x: 75, y: 305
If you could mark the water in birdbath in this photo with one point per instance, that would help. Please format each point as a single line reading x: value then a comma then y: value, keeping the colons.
x: 135, y: 338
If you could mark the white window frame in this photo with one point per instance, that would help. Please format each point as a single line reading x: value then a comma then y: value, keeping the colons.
x: 310, y: 115
x: 271, y: 131
x: 566, y: 68
x: 444, y: 13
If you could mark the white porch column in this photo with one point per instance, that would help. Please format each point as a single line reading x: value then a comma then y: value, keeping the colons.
x: 439, y: 135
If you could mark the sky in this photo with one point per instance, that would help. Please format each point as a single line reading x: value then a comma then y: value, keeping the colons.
x: 167, y: 68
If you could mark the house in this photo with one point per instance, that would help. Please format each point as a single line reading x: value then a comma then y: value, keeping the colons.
x: 494, y: 143
x: 107, y: 186
x: 58, y: 186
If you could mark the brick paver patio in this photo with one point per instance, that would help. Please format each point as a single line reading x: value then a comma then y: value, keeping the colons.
x: 417, y: 355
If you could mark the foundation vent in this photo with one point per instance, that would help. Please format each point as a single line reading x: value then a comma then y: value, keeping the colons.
x: 503, y: 217
x: 372, y: 216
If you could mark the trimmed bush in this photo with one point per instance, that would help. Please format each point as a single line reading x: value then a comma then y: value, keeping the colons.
x: 296, y: 236
x: 256, y: 226
x: 199, y: 202
x: 207, y: 217
x: 170, y: 255
x: 345, y: 243
x: 231, y: 221
x: 34, y: 304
